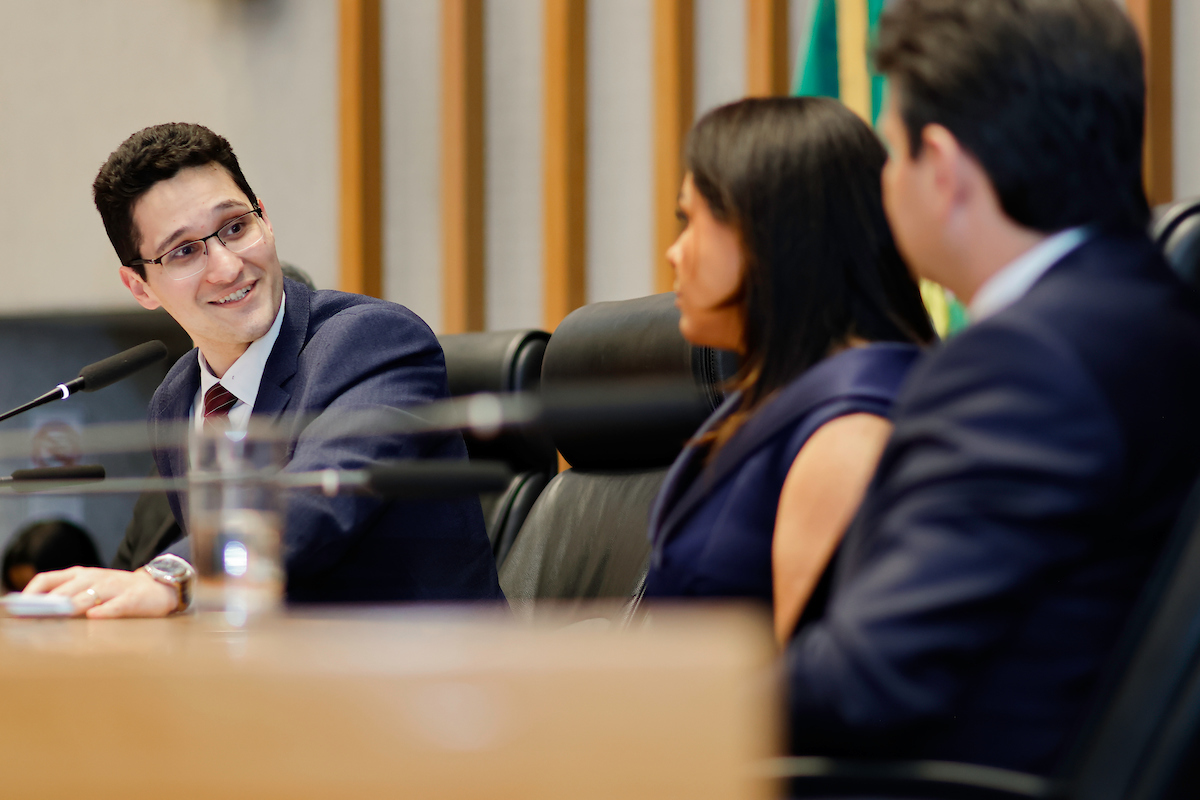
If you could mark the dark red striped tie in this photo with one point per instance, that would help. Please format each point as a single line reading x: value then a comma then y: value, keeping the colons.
x: 217, y: 402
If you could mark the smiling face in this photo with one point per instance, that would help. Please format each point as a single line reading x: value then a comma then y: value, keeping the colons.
x: 234, y: 300
x: 708, y: 263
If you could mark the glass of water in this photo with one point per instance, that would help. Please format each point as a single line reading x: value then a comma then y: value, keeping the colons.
x: 235, y: 520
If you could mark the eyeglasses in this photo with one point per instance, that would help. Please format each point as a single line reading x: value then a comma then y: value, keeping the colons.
x: 190, y: 258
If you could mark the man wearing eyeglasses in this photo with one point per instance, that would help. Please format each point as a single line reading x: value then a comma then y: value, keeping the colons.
x: 193, y: 238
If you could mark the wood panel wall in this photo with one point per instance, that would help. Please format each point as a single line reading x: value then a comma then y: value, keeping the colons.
x: 361, y: 144
x: 854, y: 80
x: 674, y: 101
x: 1153, y: 21
x: 766, y: 48
x: 565, y: 177
x: 463, y: 168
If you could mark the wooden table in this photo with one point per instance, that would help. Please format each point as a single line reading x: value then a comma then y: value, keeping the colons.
x: 399, y: 702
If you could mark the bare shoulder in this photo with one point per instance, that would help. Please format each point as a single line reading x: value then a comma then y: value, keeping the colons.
x: 846, y: 437
x: 841, y: 454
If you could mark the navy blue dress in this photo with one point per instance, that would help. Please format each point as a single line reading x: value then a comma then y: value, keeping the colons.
x: 711, y: 525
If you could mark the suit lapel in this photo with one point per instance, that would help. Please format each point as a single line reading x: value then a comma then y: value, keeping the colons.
x: 273, y: 397
x: 176, y: 396
x: 179, y: 392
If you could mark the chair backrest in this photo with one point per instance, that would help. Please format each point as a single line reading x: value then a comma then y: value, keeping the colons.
x: 504, y: 361
x: 1150, y: 713
x: 586, y: 535
x: 1176, y: 230
x: 501, y: 361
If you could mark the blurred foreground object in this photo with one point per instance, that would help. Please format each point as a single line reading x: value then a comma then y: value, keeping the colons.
x: 45, y: 546
x: 235, y: 515
x: 391, y: 703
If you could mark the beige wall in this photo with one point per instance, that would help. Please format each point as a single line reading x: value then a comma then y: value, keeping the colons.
x: 619, y: 166
x: 1186, y: 90
x: 513, y: 154
x: 78, y: 76
x: 412, y: 243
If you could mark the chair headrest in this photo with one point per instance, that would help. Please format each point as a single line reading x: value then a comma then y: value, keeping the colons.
x: 1176, y: 231
x: 628, y: 341
x: 501, y: 361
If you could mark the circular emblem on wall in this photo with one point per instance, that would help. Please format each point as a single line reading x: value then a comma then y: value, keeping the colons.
x: 57, y: 444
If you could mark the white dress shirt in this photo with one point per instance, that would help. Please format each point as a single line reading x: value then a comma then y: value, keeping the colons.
x: 1017, y: 277
x: 241, y: 379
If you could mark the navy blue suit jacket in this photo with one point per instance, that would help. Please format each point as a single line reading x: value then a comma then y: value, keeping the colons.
x: 1037, y: 462
x: 339, y: 352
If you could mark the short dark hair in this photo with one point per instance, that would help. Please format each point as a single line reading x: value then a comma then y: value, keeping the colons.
x: 798, y: 179
x: 151, y: 155
x: 1048, y: 96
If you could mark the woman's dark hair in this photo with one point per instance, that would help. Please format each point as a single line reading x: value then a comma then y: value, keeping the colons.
x: 798, y: 179
x: 1048, y: 95
x: 49, y: 545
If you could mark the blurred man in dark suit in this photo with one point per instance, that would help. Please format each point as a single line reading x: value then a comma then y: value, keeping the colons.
x: 1040, y: 457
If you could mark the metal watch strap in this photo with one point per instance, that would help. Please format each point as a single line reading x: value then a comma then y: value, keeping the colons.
x: 182, y: 584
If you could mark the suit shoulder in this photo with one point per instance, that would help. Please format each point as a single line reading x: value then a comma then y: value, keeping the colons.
x: 1009, y: 372
x: 336, y: 314
x: 1004, y: 346
x: 1124, y: 317
x: 1113, y: 290
x: 353, y: 332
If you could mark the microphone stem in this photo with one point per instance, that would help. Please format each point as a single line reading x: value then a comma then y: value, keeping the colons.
x: 62, y: 392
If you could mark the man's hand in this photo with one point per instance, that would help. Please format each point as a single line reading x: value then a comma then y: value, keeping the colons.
x: 108, y: 593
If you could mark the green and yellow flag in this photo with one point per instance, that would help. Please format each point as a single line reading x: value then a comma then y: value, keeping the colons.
x: 836, y: 63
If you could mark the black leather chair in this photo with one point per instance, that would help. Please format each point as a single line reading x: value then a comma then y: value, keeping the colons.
x: 586, y: 535
x: 1139, y: 743
x: 504, y: 361
x: 1176, y: 230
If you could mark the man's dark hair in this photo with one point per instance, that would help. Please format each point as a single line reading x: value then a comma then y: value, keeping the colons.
x: 151, y: 155
x: 1048, y: 96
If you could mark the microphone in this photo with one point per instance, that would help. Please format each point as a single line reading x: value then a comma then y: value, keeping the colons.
x: 434, y: 478
x: 412, y: 479
x: 421, y: 479
x: 82, y: 472
x: 98, y: 375
x: 30, y: 480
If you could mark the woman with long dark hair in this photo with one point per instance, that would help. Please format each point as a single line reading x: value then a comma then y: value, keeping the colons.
x: 786, y: 258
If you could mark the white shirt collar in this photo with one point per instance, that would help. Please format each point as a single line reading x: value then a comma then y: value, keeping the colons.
x: 243, y: 376
x: 1017, y: 277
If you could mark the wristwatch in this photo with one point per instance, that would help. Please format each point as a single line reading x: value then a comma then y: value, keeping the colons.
x: 176, y: 573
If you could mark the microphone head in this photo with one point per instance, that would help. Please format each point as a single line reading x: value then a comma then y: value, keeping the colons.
x: 81, y: 472
x: 122, y: 365
x: 435, y: 479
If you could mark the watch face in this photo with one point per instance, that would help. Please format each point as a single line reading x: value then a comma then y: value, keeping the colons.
x: 176, y: 570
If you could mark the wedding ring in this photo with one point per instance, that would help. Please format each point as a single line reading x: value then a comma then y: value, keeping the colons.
x: 95, y: 597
